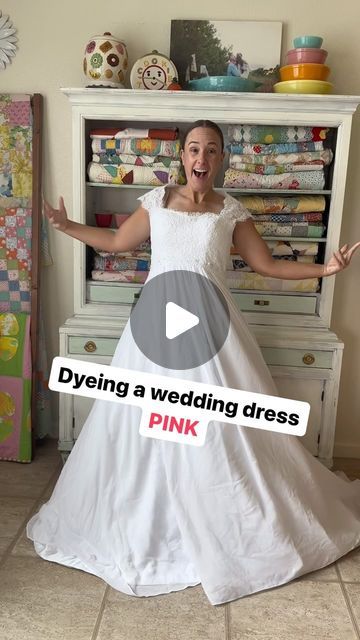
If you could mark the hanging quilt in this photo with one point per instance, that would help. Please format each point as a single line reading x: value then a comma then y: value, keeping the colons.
x: 15, y: 202
x: 15, y: 276
x: 15, y: 387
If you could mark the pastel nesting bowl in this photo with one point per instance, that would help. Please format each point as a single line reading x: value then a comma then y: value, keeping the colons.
x: 303, y: 86
x: 306, y: 42
x: 223, y: 83
x: 307, y: 71
x: 299, y: 56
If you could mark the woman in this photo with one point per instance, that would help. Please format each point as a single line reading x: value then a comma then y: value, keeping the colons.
x: 232, y: 68
x: 248, y: 510
x: 242, y: 65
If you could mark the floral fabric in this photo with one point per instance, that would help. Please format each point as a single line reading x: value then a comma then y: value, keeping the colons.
x: 138, y: 146
x: 15, y: 387
x: 278, y: 204
x: 298, y: 180
x: 307, y: 157
x: 252, y: 280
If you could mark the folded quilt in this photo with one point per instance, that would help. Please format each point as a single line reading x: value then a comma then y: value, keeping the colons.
x: 139, y: 255
x: 128, y: 158
x: 15, y: 387
x: 305, y: 157
x: 289, y: 248
x: 297, y: 180
x: 300, y: 229
x: 138, y: 277
x: 138, y: 147
x: 298, y: 204
x: 236, y: 263
x: 132, y: 174
x: 245, y: 280
x: 314, y: 216
x: 286, y: 147
x: 114, y: 263
x: 158, y: 134
x: 268, y: 134
x: 276, y: 169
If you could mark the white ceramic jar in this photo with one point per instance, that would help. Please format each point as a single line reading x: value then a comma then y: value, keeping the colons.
x: 105, y: 61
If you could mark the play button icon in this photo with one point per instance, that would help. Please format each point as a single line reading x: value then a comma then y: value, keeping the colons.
x: 181, y: 319
x: 178, y: 320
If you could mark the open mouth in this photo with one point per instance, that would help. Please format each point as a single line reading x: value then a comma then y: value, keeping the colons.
x: 200, y: 173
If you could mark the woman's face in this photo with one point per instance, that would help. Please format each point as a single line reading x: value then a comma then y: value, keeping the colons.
x: 202, y: 157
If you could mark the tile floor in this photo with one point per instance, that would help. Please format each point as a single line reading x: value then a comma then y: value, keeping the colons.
x: 44, y: 601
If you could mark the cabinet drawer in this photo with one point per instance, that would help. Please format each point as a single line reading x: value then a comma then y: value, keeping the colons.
x: 297, y: 357
x: 81, y: 345
x: 274, y: 303
x: 87, y: 345
x: 113, y: 294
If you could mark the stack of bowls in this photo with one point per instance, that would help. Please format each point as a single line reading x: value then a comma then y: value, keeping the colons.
x: 305, y: 71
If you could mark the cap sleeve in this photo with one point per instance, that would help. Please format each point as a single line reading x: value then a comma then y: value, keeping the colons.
x: 236, y: 210
x: 153, y: 198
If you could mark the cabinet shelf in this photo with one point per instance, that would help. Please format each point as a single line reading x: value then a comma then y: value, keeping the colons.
x: 287, y: 192
x: 292, y: 327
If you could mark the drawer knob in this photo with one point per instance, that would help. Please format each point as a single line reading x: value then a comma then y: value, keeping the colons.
x: 261, y: 303
x: 90, y: 346
x: 308, y: 358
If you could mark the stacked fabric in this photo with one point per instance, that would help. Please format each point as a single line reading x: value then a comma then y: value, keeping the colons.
x: 256, y: 281
x: 277, y: 157
x: 128, y: 266
x: 295, y: 217
x: 135, y: 156
x: 291, y: 209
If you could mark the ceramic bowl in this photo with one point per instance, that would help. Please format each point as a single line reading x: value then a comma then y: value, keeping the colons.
x: 295, y: 56
x: 223, y: 83
x: 103, y: 219
x: 303, y: 86
x: 120, y: 218
x: 313, y: 42
x: 307, y: 71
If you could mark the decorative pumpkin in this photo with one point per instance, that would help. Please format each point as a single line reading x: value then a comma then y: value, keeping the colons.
x: 174, y: 85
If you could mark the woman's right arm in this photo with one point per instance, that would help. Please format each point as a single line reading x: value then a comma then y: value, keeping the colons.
x: 134, y: 231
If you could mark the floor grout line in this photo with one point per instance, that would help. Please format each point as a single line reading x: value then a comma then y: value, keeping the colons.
x: 32, y: 511
x: 100, y: 614
x: 348, y: 603
x: 227, y: 622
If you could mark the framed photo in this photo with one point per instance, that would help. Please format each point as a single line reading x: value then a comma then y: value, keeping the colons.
x: 251, y: 50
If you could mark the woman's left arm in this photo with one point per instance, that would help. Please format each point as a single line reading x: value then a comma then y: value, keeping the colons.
x: 254, y: 250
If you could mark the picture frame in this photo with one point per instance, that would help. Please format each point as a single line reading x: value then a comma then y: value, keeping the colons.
x: 248, y: 49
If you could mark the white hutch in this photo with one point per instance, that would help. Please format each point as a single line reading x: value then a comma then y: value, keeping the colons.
x: 292, y: 329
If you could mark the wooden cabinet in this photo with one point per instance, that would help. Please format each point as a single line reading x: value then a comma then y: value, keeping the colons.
x: 292, y: 328
x: 305, y: 365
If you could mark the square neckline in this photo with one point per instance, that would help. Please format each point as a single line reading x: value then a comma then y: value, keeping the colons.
x: 191, y: 213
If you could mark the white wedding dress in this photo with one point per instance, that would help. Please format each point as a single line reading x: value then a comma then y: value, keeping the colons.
x: 247, y: 511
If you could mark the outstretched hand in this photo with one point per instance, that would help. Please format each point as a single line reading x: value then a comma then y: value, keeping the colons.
x: 57, y: 217
x: 340, y: 260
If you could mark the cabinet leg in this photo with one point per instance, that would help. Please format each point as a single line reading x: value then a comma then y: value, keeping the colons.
x: 64, y: 456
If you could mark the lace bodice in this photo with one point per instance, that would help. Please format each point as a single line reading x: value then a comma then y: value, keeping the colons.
x: 190, y: 240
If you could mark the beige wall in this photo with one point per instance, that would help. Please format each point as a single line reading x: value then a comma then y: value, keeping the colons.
x: 51, y: 43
